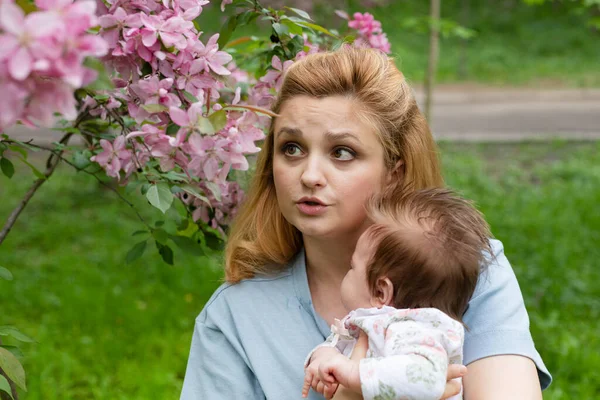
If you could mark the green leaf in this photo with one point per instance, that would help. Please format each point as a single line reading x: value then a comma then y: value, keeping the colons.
x: 136, y: 252
x: 226, y: 31
x: 19, y: 150
x: 301, y: 13
x: 175, y: 177
x: 312, y: 26
x: 192, y: 190
x: 160, y: 235
x: 35, y: 171
x: 172, y: 129
x: 215, y: 190
x: 218, y: 120
x: 26, y: 6
x: 81, y: 158
x: 136, y: 233
x: 8, y: 330
x: 166, y: 253
x: 296, y: 45
x: 7, y: 167
x: 12, y: 368
x: 154, y: 108
x: 5, y: 274
x: 15, y: 350
x: 5, y: 386
x: 205, y: 126
x: 292, y: 26
x: 103, y: 81
x: 188, y: 245
x: 214, y: 239
x: 281, y: 30
x: 191, y: 98
x: 160, y: 196
x: 188, y: 230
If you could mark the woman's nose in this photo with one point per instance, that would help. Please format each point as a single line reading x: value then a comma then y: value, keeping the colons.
x: 313, y: 175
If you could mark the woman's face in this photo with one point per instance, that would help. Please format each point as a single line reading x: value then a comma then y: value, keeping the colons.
x: 326, y: 163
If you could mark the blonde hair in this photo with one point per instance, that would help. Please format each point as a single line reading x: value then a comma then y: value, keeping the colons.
x: 261, y: 241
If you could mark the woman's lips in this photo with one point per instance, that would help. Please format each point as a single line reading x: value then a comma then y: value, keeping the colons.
x: 310, y: 208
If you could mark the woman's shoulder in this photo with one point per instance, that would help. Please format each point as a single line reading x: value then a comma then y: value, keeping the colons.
x: 248, y: 297
x: 496, y: 272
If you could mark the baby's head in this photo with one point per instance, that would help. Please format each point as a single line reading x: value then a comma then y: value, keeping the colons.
x: 424, y: 249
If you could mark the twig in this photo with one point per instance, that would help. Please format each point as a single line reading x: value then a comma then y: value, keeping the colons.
x: 51, y: 165
x: 94, y: 175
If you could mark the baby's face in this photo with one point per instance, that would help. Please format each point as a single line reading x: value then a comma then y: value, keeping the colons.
x: 355, y: 289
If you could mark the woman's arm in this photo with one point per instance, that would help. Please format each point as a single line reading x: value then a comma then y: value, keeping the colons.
x: 502, y: 377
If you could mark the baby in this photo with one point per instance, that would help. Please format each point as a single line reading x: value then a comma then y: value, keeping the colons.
x: 411, y: 277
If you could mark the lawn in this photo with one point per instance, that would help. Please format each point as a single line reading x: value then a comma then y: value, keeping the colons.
x: 108, y: 330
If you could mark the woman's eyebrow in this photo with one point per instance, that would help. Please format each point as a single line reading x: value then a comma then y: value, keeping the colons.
x: 333, y: 136
x: 290, y: 131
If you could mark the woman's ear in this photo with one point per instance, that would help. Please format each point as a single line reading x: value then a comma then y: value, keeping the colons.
x: 396, y: 174
x: 384, y: 293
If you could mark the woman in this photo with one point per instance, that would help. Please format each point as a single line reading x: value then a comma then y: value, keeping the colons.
x: 348, y: 127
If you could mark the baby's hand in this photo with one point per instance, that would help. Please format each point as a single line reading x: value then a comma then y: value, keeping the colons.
x: 342, y: 371
x: 311, y: 373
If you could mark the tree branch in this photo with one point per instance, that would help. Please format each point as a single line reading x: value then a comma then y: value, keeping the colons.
x: 51, y: 165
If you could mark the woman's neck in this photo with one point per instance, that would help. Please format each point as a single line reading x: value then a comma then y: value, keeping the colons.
x: 327, y: 262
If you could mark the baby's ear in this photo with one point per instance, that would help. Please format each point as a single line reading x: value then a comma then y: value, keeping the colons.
x: 384, y: 293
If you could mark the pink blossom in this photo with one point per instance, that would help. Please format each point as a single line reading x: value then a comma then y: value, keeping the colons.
x: 113, y: 156
x: 188, y: 121
x: 12, y: 103
x: 26, y: 37
x: 365, y: 24
x: 274, y: 76
x: 380, y: 42
x: 170, y: 32
x: 153, y: 91
x: 209, y: 57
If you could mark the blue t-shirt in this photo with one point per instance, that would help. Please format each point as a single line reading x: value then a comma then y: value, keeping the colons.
x: 251, y: 338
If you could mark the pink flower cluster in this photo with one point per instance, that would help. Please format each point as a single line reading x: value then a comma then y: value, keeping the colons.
x: 171, y: 80
x: 41, y: 59
x: 369, y: 31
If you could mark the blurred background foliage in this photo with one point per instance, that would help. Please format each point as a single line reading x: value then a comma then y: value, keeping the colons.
x: 108, y: 330
x: 537, y: 43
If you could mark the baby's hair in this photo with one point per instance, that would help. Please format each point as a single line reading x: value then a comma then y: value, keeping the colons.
x: 431, y: 244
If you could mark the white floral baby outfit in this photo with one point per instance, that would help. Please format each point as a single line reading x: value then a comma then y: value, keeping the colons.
x: 409, y: 351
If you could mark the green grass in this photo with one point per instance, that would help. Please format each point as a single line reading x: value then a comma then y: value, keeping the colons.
x: 515, y: 44
x: 107, y: 330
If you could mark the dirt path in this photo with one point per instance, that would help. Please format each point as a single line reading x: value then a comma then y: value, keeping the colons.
x: 474, y: 113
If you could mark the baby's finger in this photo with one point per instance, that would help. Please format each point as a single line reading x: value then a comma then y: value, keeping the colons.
x: 452, y: 389
x: 325, y: 375
x: 320, y: 387
x: 315, y: 382
x: 308, y: 376
x: 330, y: 390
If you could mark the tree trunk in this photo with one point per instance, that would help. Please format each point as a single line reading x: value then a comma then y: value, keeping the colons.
x: 434, y: 38
x: 463, y: 70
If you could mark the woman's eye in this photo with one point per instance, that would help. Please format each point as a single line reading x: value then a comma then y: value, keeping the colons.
x: 343, y: 154
x: 291, y: 150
